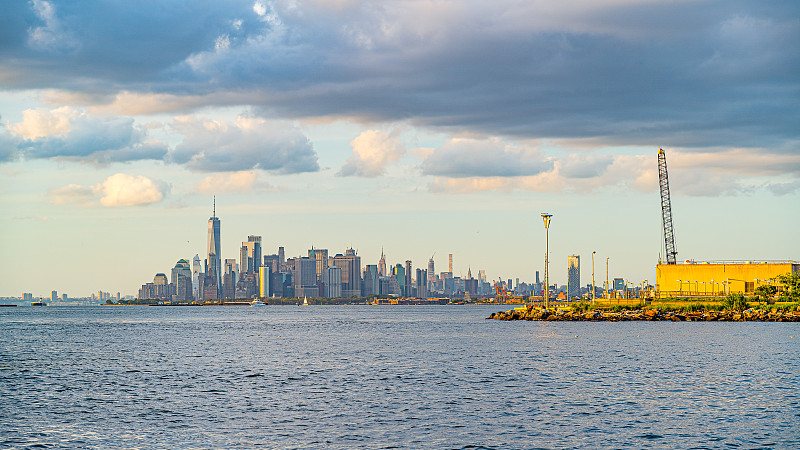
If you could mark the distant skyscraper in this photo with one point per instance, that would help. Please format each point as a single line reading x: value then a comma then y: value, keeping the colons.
x: 450, y: 263
x: 263, y: 281
x: 305, y: 281
x: 350, y: 264
x: 182, y: 281
x: 214, y: 251
x: 332, y: 282
x: 382, y: 265
x: 430, y: 275
x: 53, y: 296
x: 422, y: 283
x: 197, y: 269
x: 408, y: 292
x: 281, y: 259
x: 250, y: 255
x: 399, y: 275
x: 371, y: 281
x: 321, y: 257
x: 573, y: 276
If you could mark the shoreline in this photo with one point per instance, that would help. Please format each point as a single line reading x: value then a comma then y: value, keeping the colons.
x: 653, y: 315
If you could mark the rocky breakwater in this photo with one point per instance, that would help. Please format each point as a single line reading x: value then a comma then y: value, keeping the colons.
x: 750, y: 315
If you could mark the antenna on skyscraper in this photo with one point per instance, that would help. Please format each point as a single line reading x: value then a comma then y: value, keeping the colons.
x: 214, y: 211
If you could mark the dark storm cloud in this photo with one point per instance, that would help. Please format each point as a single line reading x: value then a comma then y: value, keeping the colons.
x: 689, y: 74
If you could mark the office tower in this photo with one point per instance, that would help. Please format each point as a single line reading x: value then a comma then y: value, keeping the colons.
x: 321, y: 257
x: 273, y: 262
x: 450, y: 263
x: 332, y: 282
x: 619, y: 284
x: 263, y: 281
x: 232, y: 268
x: 27, y: 296
x: 228, y: 286
x: 214, y: 261
x: 197, y: 268
x: 281, y: 260
x: 250, y: 255
x: 305, y: 277
x: 371, y: 285
x: 182, y: 281
x: 482, y: 276
x: 573, y: 276
x: 431, y: 271
x: 399, y: 275
x: 53, y: 296
x: 422, y: 283
x: 537, y: 277
x: 470, y: 288
x: 382, y: 265
x: 408, y: 292
x: 350, y: 263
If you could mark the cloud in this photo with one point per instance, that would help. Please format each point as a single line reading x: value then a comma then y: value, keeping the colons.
x: 372, y: 151
x: 72, y: 194
x: 233, y: 182
x: 483, y: 158
x: 246, y: 144
x: 584, y: 166
x: 51, y: 36
x: 68, y: 134
x: 38, y: 123
x: 128, y: 190
x: 117, y: 190
x: 716, y: 74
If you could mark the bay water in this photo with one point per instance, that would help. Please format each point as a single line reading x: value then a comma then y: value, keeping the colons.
x: 389, y: 377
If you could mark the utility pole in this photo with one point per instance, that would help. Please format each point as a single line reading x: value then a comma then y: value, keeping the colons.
x: 546, y: 217
x: 593, y: 289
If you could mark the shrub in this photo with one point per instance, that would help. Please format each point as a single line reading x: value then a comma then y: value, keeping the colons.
x: 735, y: 302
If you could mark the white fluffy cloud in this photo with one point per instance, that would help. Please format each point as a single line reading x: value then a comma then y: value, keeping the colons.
x: 37, y: 123
x: 372, y: 151
x: 128, y: 190
x: 117, y: 190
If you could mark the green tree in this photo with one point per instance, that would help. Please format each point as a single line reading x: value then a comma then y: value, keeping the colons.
x: 791, y: 283
x: 766, y: 292
x: 735, y: 301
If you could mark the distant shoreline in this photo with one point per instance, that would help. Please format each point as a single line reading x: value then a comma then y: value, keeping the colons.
x: 652, y: 315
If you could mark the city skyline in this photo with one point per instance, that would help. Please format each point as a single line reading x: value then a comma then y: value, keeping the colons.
x: 417, y: 128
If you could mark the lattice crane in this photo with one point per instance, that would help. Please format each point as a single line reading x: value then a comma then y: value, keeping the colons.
x: 666, y: 209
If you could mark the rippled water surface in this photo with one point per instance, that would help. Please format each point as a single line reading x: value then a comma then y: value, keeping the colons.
x: 384, y: 377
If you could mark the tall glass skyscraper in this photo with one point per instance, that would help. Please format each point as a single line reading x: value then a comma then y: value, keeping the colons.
x: 573, y: 276
x: 214, y: 252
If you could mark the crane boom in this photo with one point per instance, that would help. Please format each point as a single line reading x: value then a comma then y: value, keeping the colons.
x: 666, y: 209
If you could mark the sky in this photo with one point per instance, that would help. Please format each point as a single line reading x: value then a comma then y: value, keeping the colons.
x: 418, y: 127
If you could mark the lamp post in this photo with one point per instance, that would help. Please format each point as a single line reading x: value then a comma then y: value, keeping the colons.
x: 546, y: 218
x: 593, y: 288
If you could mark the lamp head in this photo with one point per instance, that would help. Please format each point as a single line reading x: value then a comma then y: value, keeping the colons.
x: 546, y: 217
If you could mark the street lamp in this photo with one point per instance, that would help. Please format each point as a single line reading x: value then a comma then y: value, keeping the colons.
x: 546, y: 218
x: 593, y: 288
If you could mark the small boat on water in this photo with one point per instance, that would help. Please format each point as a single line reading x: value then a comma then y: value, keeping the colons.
x: 257, y: 302
x: 305, y: 301
x: 38, y: 303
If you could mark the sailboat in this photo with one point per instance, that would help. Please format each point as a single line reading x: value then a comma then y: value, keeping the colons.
x: 305, y: 301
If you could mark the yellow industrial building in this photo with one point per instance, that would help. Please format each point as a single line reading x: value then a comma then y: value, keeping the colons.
x: 718, y: 278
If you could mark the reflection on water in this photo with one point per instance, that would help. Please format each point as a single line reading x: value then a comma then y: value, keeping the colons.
x: 389, y: 376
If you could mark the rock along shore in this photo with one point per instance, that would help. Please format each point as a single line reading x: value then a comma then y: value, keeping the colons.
x: 750, y: 315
